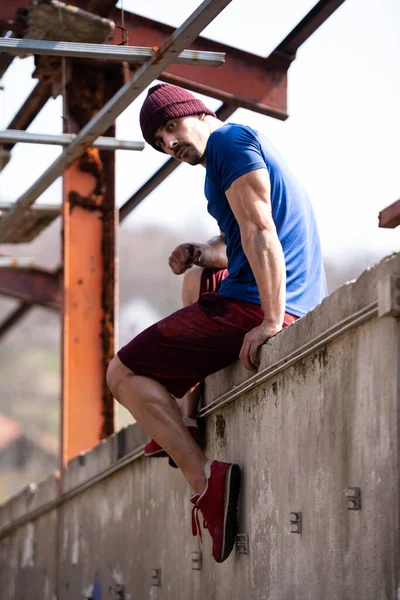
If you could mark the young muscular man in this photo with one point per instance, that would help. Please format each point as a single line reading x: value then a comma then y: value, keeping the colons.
x: 263, y: 272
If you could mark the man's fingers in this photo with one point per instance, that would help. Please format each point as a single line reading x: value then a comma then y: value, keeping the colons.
x: 175, y: 267
x: 177, y: 264
x: 254, y: 354
x: 186, y: 254
x: 244, y: 356
x: 184, y: 257
x: 241, y: 354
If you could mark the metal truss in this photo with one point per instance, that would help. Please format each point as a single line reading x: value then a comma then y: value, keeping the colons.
x: 131, y: 54
x: 143, y: 77
x: 285, y: 50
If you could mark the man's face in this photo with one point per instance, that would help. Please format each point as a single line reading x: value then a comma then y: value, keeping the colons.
x: 184, y: 138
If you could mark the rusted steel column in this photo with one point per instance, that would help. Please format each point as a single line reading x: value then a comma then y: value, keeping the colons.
x: 389, y: 217
x: 89, y: 220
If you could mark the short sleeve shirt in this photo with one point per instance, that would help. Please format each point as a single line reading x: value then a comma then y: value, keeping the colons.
x: 233, y: 150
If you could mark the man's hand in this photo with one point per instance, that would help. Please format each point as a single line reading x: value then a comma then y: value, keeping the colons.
x: 184, y: 256
x: 253, y: 340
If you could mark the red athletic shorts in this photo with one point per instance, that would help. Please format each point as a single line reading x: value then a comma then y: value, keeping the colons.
x: 195, y: 341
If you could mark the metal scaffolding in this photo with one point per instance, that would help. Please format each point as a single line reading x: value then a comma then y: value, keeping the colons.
x: 149, y: 71
x: 244, y: 80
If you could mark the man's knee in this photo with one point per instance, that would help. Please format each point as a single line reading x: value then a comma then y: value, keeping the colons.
x: 191, y: 285
x: 116, y: 373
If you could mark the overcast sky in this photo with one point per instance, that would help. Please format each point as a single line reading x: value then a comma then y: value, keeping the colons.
x: 342, y: 138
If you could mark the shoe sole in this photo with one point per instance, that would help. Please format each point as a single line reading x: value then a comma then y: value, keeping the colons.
x: 232, y: 485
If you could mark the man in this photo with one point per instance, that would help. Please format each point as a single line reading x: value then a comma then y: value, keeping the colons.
x: 269, y: 242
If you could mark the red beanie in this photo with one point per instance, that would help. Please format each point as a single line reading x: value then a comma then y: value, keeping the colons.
x: 165, y: 102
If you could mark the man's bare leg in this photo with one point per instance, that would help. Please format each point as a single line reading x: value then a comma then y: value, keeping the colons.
x: 157, y: 411
x: 190, y: 294
x: 158, y: 414
x: 190, y: 402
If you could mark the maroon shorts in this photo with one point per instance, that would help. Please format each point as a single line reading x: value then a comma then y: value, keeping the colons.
x: 195, y: 341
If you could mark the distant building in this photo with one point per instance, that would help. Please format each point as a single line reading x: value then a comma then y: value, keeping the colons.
x: 26, y: 455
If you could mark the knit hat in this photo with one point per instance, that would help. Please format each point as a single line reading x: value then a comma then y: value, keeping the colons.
x: 165, y: 102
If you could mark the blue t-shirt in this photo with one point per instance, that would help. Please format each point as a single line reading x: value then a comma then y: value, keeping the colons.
x: 233, y: 150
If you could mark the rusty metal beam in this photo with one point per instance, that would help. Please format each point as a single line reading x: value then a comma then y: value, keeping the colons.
x: 10, y: 12
x: 100, y: 7
x: 389, y: 217
x: 307, y: 26
x: 286, y: 51
x: 5, y: 62
x: 142, y: 78
x: 168, y: 167
x: 89, y: 270
x: 249, y: 80
x: 8, y: 9
x: 32, y: 286
x: 223, y: 113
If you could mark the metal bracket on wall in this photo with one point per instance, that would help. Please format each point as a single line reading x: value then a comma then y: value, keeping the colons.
x: 242, y: 543
x: 156, y: 577
x: 197, y: 561
x: 353, y: 495
x: 296, y: 522
x: 389, y: 296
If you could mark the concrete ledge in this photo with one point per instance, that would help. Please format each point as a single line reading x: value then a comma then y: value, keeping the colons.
x: 89, y: 464
x: 322, y: 423
x: 348, y: 300
x: 342, y: 304
x: 129, y: 439
x: 94, y: 462
x: 29, y: 499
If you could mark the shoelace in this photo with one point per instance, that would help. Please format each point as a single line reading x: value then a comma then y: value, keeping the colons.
x: 196, y: 529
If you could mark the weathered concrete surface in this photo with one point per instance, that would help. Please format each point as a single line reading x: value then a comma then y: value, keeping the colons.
x: 28, y: 557
x: 303, y: 436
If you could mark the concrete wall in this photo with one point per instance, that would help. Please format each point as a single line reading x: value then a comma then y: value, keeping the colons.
x: 320, y: 416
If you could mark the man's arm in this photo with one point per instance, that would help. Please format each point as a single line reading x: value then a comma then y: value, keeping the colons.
x: 249, y: 199
x: 211, y: 254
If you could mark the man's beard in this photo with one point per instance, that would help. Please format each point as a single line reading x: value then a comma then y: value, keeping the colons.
x: 193, y: 156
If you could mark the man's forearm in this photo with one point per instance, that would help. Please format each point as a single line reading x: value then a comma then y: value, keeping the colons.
x: 213, y: 254
x: 264, y: 253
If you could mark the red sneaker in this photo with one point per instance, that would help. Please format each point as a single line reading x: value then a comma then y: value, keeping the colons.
x: 218, y: 504
x: 154, y: 450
